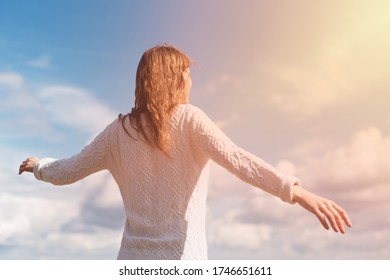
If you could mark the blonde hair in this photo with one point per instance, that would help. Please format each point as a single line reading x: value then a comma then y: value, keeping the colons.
x: 159, y: 89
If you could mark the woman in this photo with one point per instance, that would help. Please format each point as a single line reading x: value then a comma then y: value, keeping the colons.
x: 159, y: 154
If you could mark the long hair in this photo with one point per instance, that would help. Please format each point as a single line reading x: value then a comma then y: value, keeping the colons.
x: 159, y: 89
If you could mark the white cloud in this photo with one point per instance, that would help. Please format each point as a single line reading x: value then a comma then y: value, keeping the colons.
x: 40, y: 221
x: 103, y: 191
x: 356, y: 175
x: 232, y: 234
x: 312, y: 146
x: 342, y: 56
x: 30, y: 113
x: 21, y: 113
x: 286, y: 167
x: 43, y: 61
x: 303, y: 92
x: 222, y: 182
x: 37, y: 220
x: 91, y: 239
x: 220, y: 84
x: 11, y: 80
x: 364, y: 161
x: 76, y: 108
x: 21, y: 217
x: 234, y: 119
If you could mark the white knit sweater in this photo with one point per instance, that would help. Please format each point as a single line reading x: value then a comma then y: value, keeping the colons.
x: 165, y: 198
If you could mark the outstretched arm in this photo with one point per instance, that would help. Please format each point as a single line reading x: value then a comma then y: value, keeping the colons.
x: 323, y: 208
x: 209, y: 140
x: 253, y: 170
x: 91, y: 159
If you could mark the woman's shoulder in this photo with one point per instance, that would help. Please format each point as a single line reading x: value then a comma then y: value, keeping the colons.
x: 192, y: 112
x: 113, y: 126
x: 194, y: 118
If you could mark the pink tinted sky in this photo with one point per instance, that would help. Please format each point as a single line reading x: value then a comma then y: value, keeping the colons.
x: 309, y: 92
x: 302, y: 84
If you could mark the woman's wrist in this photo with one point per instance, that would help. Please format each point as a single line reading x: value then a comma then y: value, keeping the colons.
x: 296, y: 192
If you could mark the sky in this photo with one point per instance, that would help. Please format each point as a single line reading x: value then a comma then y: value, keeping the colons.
x: 302, y: 84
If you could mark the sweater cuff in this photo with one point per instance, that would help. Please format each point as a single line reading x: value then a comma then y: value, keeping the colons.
x: 287, y: 186
x: 41, y: 164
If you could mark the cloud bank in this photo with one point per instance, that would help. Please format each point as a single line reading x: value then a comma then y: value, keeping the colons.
x: 39, y: 221
x: 355, y: 175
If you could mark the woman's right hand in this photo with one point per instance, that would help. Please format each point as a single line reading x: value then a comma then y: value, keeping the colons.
x: 28, y: 165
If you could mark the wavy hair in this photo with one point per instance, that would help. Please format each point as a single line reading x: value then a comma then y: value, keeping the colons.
x: 159, y: 89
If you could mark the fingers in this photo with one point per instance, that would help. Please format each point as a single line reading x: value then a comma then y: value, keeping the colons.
x: 335, y: 215
x: 27, y: 165
x: 322, y: 219
x: 343, y: 215
x: 327, y: 212
x: 22, y: 167
x: 335, y: 220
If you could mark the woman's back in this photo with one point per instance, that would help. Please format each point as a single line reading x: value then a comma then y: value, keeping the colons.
x: 164, y: 197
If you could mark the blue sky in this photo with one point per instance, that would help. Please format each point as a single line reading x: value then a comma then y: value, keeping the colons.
x: 302, y: 84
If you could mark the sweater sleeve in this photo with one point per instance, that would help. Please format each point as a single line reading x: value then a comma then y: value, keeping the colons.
x: 210, y: 140
x: 93, y: 158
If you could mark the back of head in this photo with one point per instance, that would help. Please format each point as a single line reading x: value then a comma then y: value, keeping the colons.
x: 159, y: 89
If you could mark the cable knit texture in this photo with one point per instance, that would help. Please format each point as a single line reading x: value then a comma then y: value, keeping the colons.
x: 165, y: 198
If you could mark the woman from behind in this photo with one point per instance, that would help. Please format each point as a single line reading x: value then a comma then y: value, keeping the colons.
x: 159, y: 155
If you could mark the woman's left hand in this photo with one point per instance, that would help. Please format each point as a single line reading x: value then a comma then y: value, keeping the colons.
x: 28, y: 165
x: 324, y: 209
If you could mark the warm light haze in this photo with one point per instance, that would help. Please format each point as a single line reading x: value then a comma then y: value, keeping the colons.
x: 302, y: 84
